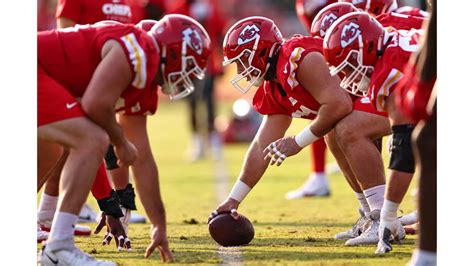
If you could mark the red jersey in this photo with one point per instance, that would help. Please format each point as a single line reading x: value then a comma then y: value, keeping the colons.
x: 400, y: 21
x: 388, y: 69
x: 92, y: 11
x: 70, y: 56
x: 289, y: 98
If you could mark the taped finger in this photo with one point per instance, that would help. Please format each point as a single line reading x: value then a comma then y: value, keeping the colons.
x: 107, y: 238
x: 121, y: 243
x: 128, y: 244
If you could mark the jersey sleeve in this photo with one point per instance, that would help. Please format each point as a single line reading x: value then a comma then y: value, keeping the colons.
x: 385, y: 82
x: 265, y: 101
x: 70, y: 9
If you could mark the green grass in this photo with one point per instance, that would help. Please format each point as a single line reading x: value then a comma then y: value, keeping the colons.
x: 286, y: 232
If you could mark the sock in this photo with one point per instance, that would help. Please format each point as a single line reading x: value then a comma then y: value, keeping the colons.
x: 318, y: 151
x: 423, y: 257
x: 375, y: 197
x: 363, y: 202
x: 101, y: 187
x: 47, y: 207
x: 62, y: 231
x: 389, y: 211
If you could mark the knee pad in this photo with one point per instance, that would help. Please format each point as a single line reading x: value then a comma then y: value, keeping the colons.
x: 110, y: 159
x: 111, y: 205
x: 127, y: 197
x: 401, y: 152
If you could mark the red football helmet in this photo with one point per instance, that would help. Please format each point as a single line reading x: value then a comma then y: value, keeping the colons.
x: 328, y: 15
x: 353, y: 45
x: 185, y: 48
x: 375, y: 7
x: 250, y: 43
x: 307, y: 10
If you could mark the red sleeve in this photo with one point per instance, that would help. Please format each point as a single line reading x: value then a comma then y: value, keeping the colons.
x: 264, y: 100
x: 101, y: 187
x: 70, y: 9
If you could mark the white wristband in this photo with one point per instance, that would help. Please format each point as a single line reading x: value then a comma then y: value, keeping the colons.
x: 305, y: 137
x: 239, y: 191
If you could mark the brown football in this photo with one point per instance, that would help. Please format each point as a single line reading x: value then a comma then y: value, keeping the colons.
x: 227, y: 231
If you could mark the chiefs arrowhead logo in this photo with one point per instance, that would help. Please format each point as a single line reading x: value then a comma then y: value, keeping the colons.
x: 192, y: 39
x: 248, y: 34
x: 349, y: 33
x: 328, y: 20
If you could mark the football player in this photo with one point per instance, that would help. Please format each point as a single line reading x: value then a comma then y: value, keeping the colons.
x: 116, y: 69
x: 416, y: 96
x: 284, y: 72
x: 364, y: 178
x: 69, y: 13
x: 372, y: 59
x: 317, y: 183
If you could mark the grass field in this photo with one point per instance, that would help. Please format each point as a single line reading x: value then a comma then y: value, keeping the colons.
x: 286, y: 232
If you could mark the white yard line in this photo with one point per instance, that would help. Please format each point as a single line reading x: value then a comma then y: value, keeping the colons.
x: 228, y: 255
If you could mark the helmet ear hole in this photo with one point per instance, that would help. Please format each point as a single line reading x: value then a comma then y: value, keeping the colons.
x: 370, y: 48
x: 262, y: 53
x: 376, y: 10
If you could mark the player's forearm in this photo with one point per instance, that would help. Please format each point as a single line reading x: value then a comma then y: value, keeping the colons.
x: 105, y: 118
x: 328, y: 116
x: 254, y: 165
x: 148, y: 189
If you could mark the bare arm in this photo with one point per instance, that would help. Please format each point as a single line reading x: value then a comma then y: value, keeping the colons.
x: 272, y: 128
x: 63, y: 22
x: 145, y: 170
x: 145, y: 173
x: 255, y: 165
x: 314, y: 75
x: 110, y: 79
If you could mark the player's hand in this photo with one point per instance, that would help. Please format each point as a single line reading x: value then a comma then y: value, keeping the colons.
x: 281, y: 149
x: 114, y: 230
x: 126, y: 153
x: 230, y: 205
x: 160, y: 241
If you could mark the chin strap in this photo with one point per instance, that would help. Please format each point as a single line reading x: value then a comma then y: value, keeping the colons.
x: 270, y: 71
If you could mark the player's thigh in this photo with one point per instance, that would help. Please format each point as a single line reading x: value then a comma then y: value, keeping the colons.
x: 60, y: 116
x: 74, y: 133
x: 361, y: 124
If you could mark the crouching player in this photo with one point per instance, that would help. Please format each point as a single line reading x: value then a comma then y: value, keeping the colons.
x: 117, y: 69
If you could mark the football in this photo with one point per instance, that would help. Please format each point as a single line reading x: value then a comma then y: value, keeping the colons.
x: 227, y: 231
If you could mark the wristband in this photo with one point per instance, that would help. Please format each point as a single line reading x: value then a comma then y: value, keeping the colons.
x: 239, y: 191
x: 305, y: 137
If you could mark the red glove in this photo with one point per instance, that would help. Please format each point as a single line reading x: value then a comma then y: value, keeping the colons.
x: 413, y: 94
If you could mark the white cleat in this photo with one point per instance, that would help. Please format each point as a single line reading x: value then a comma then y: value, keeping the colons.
x: 410, y: 218
x: 69, y: 257
x: 87, y: 214
x: 389, y: 232
x: 136, y: 218
x: 370, y: 235
x: 313, y: 187
x: 356, y: 229
x: 41, y: 235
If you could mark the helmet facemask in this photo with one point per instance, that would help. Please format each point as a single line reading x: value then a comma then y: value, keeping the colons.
x: 179, y: 84
x: 357, y: 75
x: 249, y: 76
